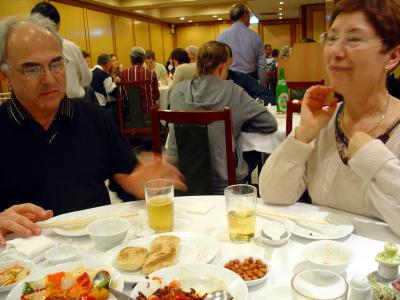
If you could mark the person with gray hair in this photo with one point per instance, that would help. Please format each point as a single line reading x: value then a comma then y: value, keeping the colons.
x: 78, y: 73
x: 192, y: 52
x: 56, y: 153
x: 149, y: 92
x: 247, y: 46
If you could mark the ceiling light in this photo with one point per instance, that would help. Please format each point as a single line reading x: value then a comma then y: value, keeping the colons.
x: 219, y: 19
x: 280, y: 14
x: 215, y: 16
x: 280, y: 8
x: 190, y: 21
x: 182, y: 18
x: 281, y: 3
x: 280, y: 18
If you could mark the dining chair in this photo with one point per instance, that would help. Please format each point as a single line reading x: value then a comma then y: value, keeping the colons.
x: 191, y: 138
x: 297, y: 90
x: 4, y: 97
x: 132, y: 119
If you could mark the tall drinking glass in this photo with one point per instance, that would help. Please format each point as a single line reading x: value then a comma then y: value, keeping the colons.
x: 240, y: 202
x: 160, y: 204
x: 318, y: 285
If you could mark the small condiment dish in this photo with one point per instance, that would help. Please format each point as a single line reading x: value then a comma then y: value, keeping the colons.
x: 61, y: 254
x: 28, y: 267
x: 329, y: 255
x: 274, y: 234
x: 108, y: 233
x: 241, y: 258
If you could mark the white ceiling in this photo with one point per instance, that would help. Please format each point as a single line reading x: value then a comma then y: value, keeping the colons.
x: 203, y: 10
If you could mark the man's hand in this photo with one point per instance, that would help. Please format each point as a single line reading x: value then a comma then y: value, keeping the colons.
x: 316, y: 111
x: 358, y: 140
x: 157, y: 169
x: 20, y: 219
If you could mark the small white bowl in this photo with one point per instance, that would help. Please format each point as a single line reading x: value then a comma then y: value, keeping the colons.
x: 241, y: 258
x: 29, y: 265
x: 274, y: 234
x: 108, y: 233
x: 329, y: 255
x: 61, y: 254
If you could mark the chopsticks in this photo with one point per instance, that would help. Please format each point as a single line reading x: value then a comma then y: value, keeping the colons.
x: 81, y: 222
x: 270, y: 213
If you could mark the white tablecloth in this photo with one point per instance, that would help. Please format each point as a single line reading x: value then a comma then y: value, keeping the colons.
x: 267, y: 142
x: 164, y: 89
x: 367, y: 240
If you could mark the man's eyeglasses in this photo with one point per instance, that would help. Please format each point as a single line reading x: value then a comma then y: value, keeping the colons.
x: 37, y: 71
x: 350, y: 40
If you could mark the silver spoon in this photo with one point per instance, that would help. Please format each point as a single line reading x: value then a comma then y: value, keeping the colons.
x: 102, y: 280
x: 219, y: 295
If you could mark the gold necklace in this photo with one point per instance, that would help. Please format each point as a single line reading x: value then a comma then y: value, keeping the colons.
x: 381, y: 118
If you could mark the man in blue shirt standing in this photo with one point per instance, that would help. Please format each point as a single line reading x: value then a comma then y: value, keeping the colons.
x: 247, y: 46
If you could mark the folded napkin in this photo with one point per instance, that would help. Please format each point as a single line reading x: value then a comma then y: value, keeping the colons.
x: 200, y: 208
x: 32, y: 247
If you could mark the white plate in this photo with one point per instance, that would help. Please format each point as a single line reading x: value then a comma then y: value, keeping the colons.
x: 242, y: 258
x: 193, y: 248
x: 276, y: 292
x: 203, y: 278
x: 24, y: 262
x: 71, y: 266
x: 339, y: 227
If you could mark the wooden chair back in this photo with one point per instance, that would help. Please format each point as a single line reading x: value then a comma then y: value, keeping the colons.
x: 199, y: 118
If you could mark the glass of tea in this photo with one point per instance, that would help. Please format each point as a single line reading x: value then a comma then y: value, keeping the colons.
x: 159, y: 195
x: 240, y: 203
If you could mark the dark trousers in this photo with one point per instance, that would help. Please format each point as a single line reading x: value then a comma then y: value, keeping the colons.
x: 254, y: 75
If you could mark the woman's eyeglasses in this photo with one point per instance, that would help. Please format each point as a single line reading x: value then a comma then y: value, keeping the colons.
x: 350, y: 40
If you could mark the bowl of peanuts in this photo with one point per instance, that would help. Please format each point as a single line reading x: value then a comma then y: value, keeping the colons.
x: 252, y: 269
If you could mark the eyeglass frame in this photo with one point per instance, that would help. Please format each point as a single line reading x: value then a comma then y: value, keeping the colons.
x: 362, y: 44
x: 40, y: 69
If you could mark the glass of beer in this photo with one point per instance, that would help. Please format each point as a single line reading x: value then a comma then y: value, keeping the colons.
x: 240, y: 202
x: 160, y: 204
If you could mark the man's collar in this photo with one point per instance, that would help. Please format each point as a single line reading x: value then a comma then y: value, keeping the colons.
x: 19, y: 114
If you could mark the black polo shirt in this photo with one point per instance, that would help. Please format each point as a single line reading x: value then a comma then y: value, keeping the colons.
x: 63, y: 168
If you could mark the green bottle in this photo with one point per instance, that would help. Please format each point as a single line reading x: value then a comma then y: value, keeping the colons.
x: 282, y: 92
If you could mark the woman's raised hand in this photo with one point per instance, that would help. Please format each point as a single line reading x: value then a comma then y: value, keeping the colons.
x: 316, y: 111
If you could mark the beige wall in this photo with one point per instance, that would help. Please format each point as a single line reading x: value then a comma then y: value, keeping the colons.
x: 318, y: 24
x: 123, y: 39
x: 277, y: 35
x: 195, y: 35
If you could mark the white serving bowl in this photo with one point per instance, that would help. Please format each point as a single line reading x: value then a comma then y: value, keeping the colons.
x: 241, y: 258
x: 29, y: 265
x: 108, y: 233
x: 329, y: 255
x: 61, y: 254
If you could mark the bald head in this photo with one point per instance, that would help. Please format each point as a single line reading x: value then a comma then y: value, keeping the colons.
x: 29, y: 31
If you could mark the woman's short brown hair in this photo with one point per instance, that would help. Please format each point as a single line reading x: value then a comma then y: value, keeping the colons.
x: 210, y: 55
x: 383, y: 15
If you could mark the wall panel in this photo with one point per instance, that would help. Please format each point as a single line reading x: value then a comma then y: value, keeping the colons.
x: 277, y: 35
x: 142, y: 34
x: 19, y: 7
x: 72, y: 24
x: 156, y: 38
x: 194, y: 35
x: 123, y: 39
x: 222, y: 27
x: 168, y: 39
x: 100, y: 33
x: 318, y: 24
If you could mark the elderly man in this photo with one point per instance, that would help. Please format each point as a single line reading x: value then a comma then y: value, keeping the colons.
x: 248, y: 49
x: 149, y: 92
x: 151, y: 64
x: 56, y: 153
x: 192, y: 52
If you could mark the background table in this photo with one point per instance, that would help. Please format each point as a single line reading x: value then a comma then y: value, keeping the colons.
x: 367, y: 240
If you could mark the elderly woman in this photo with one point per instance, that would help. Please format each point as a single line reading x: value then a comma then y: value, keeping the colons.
x: 210, y: 91
x: 347, y: 155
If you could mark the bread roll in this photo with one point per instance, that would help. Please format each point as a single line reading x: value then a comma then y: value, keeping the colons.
x: 164, y: 243
x: 131, y: 258
x: 158, y: 260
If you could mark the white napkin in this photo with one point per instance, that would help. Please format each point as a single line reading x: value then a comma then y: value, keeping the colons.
x: 200, y: 207
x: 32, y: 247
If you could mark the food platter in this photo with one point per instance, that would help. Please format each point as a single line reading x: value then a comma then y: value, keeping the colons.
x: 193, y: 248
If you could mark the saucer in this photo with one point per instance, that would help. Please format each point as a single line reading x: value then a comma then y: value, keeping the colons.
x: 274, y: 234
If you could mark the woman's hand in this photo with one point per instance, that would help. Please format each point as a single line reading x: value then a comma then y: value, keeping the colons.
x: 316, y: 111
x: 358, y: 140
x: 20, y: 219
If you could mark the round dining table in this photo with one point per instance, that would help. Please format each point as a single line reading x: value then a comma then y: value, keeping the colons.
x: 367, y: 239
